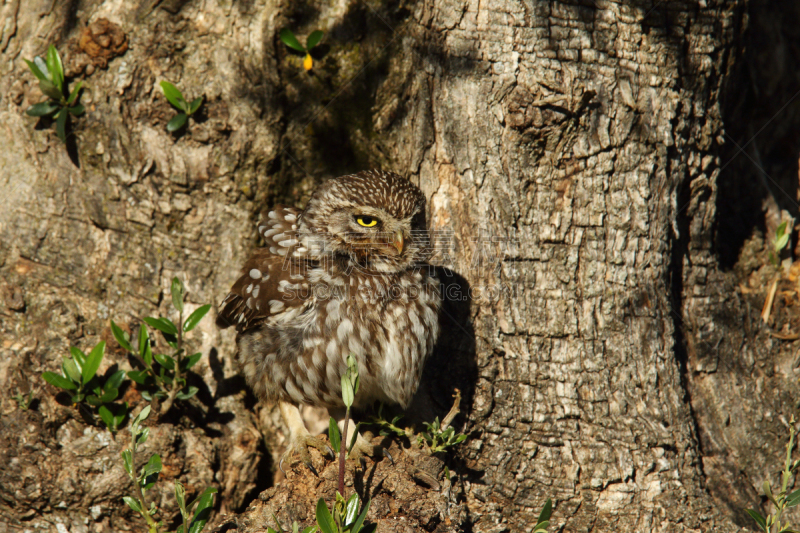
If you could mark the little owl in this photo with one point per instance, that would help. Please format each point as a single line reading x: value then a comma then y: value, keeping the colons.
x: 347, y: 275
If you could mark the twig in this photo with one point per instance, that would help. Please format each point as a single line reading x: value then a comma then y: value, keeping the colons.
x: 453, y: 410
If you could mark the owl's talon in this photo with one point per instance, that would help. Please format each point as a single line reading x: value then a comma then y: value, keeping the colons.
x: 385, y: 452
x: 300, y: 446
x: 311, y: 467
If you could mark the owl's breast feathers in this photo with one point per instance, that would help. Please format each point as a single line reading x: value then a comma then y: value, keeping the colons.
x: 298, y: 319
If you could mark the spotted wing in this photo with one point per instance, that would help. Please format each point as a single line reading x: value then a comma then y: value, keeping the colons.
x: 270, y: 287
x: 278, y: 227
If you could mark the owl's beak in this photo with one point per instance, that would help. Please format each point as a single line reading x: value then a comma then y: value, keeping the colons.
x: 398, y: 241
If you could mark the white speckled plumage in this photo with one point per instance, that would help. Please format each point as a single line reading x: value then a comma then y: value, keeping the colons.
x: 324, y: 287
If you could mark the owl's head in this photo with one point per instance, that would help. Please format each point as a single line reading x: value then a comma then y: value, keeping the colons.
x: 374, y: 219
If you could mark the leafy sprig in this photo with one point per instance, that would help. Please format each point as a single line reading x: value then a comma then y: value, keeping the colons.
x: 288, y: 38
x: 147, y: 477
x: 345, y: 517
x: 164, y: 376
x: 782, y: 500
x: 61, y: 104
x: 79, y: 378
x: 186, y: 109
x: 439, y: 438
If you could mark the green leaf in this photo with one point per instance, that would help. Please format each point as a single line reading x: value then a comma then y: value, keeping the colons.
x: 115, y: 380
x: 119, y: 416
x: 546, y: 511
x: 164, y: 325
x: 324, y: 518
x: 141, y: 438
x: 203, y: 510
x: 176, y: 289
x: 334, y: 435
x: 180, y: 495
x: 291, y: 41
x: 150, y: 471
x: 109, y: 394
x: 55, y: 67
x: 760, y: 520
x: 153, y: 466
x: 70, y: 369
x: 542, y: 526
x: 174, y: 96
x: 191, y: 391
x: 48, y: 88
x: 195, y: 105
x: 40, y: 75
x: 61, y: 124
x: 310, y: 529
x: 142, y: 416
x: 196, y: 316
x: 177, y: 122
x: 360, y: 520
x: 353, y: 438
x: 347, y: 390
x: 74, y: 94
x: 139, y: 376
x: 351, y: 510
x: 314, y: 39
x: 133, y: 504
x: 77, y: 110
x: 165, y: 361
x: 127, y: 461
x: 107, y: 417
x: 59, y: 381
x: 192, y: 360
x: 42, y: 109
x: 78, y: 356
x: 93, y: 361
x: 793, y: 499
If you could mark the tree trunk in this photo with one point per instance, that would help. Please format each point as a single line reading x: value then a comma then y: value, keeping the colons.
x: 574, y: 154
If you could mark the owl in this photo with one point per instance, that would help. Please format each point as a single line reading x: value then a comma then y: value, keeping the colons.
x: 346, y: 275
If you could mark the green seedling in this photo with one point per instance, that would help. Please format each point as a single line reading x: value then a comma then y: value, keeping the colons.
x: 782, y: 500
x: 23, y: 400
x: 288, y: 38
x: 389, y: 428
x: 164, y: 376
x: 439, y: 437
x: 79, y: 378
x: 544, y: 517
x: 345, y: 517
x: 194, y: 522
x: 60, y: 103
x: 186, y: 109
x: 780, y: 242
x: 146, y: 478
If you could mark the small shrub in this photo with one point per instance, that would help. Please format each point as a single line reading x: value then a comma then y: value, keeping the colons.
x: 186, y: 109
x: 164, y: 376
x: 50, y: 73
x: 312, y: 41
x: 79, y: 378
x: 146, y: 478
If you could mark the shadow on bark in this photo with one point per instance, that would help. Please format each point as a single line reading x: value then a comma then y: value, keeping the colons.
x: 761, y: 112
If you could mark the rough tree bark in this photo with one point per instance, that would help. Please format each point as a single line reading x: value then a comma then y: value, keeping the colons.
x: 575, y: 149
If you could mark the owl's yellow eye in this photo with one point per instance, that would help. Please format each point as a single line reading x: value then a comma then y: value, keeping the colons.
x: 367, y: 221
